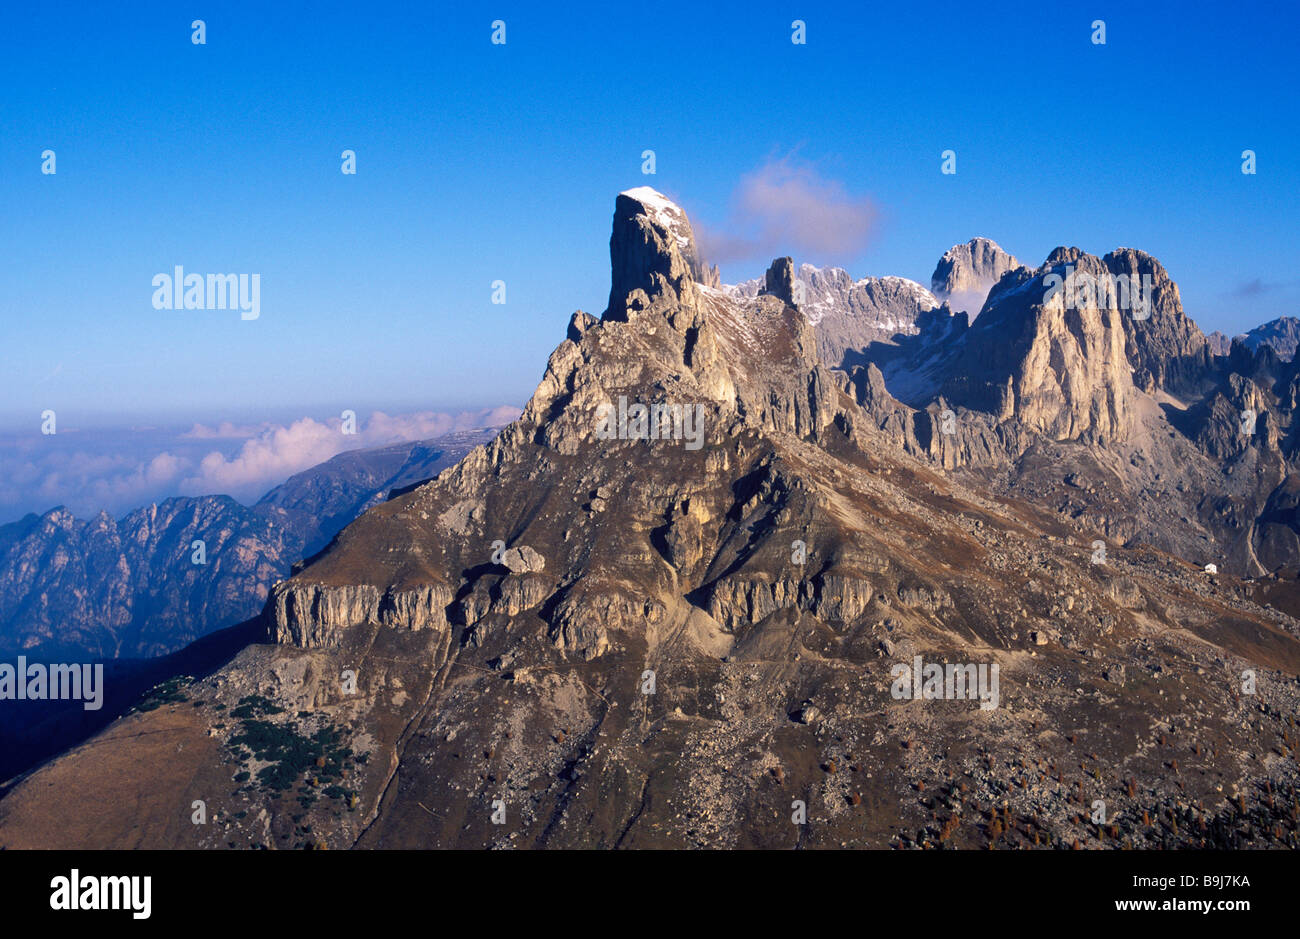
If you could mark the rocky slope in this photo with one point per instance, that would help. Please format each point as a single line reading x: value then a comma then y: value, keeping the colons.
x: 673, y: 605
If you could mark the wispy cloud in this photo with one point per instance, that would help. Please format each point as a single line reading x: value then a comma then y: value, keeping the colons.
x: 1255, y: 288
x: 787, y: 207
x: 224, y: 431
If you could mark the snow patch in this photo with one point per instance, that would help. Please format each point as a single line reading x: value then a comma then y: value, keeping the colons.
x: 663, y: 212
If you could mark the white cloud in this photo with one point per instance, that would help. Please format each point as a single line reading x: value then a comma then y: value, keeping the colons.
x: 278, y: 452
x: 223, y: 431
x: 117, y: 471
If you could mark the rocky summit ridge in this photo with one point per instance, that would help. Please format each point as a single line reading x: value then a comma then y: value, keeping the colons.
x: 965, y: 273
x: 592, y: 633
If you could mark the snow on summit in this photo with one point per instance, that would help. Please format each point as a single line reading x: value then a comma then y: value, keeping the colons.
x: 665, y: 213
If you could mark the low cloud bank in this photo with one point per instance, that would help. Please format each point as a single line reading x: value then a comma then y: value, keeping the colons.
x: 119, y: 470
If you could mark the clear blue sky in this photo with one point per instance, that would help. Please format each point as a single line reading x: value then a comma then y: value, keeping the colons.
x: 479, y: 162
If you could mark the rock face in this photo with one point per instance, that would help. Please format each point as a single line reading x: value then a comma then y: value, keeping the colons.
x: 129, y: 587
x: 965, y: 273
x: 652, y: 251
x: 779, y: 281
x: 1167, y: 350
x: 1058, y: 368
x: 312, y: 615
x: 523, y: 560
x: 747, y: 557
x: 1220, y: 344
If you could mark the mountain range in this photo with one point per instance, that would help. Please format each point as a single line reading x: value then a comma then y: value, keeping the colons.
x: 589, y: 632
x: 134, y: 588
x: 1281, y: 334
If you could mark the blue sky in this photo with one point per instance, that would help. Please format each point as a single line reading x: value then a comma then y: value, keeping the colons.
x: 479, y: 162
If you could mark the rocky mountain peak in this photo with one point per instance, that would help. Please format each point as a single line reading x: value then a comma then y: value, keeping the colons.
x: 1281, y: 334
x: 1041, y: 354
x: 652, y: 254
x: 965, y: 273
x: 1063, y: 255
x: 779, y: 281
x: 1166, y: 349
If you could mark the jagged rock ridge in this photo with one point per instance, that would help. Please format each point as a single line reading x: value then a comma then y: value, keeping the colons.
x: 849, y: 314
x: 965, y: 273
